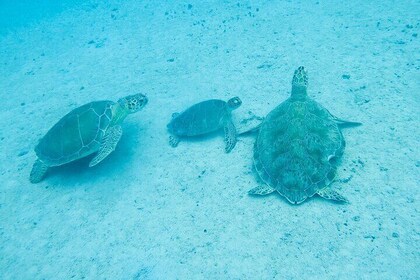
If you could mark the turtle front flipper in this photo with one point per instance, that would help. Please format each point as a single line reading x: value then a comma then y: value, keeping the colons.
x: 343, y: 123
x: 250, y: 130
x: 109, y: 142
x: 261, y: 190
x: 173, y: 141
x: 230, y: 136
x: 38, y: 171
x: 328, y: 193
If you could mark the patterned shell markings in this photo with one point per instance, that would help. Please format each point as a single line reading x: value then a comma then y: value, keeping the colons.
x: 76, y: 135
x: 202, y: 118
x: 299, y: 147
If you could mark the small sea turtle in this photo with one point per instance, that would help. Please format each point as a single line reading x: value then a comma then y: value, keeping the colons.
x: 205, y: 117
x: 94, y: 127
x: 298, y: 147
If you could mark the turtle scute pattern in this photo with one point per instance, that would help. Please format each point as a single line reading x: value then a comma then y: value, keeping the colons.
x: 76, y: 134
x: 298, y: 147
x: 205, y: 117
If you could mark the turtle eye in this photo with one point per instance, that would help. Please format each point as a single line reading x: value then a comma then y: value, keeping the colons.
x: 235, y: 102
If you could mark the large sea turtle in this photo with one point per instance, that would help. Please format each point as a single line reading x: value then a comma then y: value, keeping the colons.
x: 298, y: 147
x: 205, y: 117
x: 93, y: 127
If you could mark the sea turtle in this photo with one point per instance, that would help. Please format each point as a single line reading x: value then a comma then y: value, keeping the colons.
x: 298, y: 147
x: 205, y: 117
x: 93, y: 127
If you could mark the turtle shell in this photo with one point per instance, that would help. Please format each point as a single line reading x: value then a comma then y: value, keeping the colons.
x: 76, y: 135
x: 298, y: 149
x: 201, y: 118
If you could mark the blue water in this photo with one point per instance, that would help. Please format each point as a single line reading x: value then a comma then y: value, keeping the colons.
x: 20, y: 14
x: 152, y: 211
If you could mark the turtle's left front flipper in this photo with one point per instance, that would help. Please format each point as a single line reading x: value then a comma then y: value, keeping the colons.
x: 109, y: 142
x: 230, y: 136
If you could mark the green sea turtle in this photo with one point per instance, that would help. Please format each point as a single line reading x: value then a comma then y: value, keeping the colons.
x: 205, y: 117
x: 298, y: 147
x: 94, y: 127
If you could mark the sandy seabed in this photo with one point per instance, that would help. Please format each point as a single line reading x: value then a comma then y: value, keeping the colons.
x: 150, y: 211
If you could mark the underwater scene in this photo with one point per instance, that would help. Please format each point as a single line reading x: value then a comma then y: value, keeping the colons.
x: 209, y: 139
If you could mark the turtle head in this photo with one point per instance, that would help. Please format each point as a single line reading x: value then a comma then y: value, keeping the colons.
x: 234, y: 103
x: 300, y: 82
x: 133, y: 103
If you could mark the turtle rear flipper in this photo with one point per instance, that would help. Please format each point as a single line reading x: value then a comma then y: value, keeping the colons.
x: 328, y: 193
x: 261, y: 190
x: 109, y: 142
x: 230, y: 136
x: 38, y: 171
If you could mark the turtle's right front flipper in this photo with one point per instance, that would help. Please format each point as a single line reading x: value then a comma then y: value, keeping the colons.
x: 256, y: 122
x: 173, y: 141
x: 109, y: 142
x: 38, y: 171
x: 230, y: 136
x: 250, y: 130
x: 343, y: 123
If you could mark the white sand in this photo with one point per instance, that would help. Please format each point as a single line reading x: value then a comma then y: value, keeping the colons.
x: 153, y: 212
